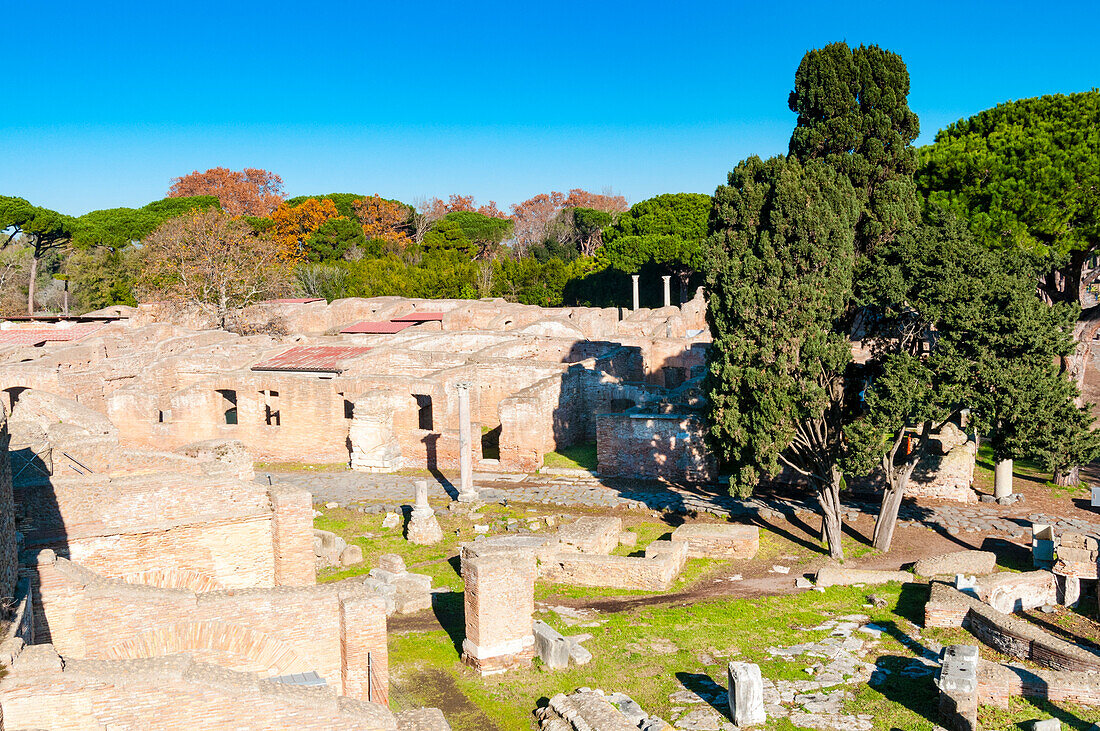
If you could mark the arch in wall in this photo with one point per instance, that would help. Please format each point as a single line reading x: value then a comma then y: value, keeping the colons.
x: 174, y: 579
x: 231, y: 646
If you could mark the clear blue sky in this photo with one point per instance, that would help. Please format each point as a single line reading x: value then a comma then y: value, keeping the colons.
x: 108, y: 101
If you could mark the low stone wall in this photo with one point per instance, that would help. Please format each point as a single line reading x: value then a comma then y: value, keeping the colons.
x: 1005, y: 633
x: 719, y: 540
x: 328, y: 629
x: 998, y: 683
x: 169, y: 693
x: 598, y: 535
x: 662, y: 564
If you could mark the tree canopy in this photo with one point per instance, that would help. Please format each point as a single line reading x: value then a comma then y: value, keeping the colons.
x: 248, y: 192
x: 779, y: 272
x: 667, y: 229
x: 853, y: 114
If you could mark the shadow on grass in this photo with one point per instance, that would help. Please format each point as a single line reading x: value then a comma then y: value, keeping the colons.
x: 704, y: 686
x: 1009, y: 555
x: 450, y: 611
x: 918, y: 694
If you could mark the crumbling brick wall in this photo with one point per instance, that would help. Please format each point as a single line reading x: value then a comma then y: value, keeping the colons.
x: 649, y: 444
x: 328, y: 629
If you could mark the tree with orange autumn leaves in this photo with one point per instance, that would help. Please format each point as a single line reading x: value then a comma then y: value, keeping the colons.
x: 383, y: 219
x: 248, y: 192
x: 295, y: 224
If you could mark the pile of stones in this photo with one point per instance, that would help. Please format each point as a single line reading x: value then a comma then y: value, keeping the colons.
x: 404, y: 592
x: 587, y: 709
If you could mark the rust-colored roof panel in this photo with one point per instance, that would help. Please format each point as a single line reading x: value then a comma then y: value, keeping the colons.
x: 377, y: 328
x: 37, y: 336
x: 420, y: 317
x: 327, y: 358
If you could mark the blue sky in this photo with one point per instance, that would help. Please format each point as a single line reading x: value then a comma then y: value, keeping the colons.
x: 108, y: 101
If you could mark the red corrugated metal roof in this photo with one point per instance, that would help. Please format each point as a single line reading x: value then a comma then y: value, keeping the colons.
x: 377, y: 328
x: 420, y: 317
x: 37, y: 336
x: 293, y: 301
x: 328, y: 358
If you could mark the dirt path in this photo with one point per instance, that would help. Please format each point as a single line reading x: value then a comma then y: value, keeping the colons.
x: 437, y: 689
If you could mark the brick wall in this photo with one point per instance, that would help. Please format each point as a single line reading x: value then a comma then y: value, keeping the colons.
x: 328, y: 629
x: 998, y: 683
x: 170, y: 694
x: 9, y: 560
x: 644, y: 444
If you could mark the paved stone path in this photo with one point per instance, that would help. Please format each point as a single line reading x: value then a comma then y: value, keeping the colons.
x: 374, y: 493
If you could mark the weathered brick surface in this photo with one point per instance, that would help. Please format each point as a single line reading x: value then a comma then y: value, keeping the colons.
x: 719, y: 540
x: 590, y: 535
x: 1005, y: 633
x: 328, y: 629
x: 500, y: 603
x: 998, y: 683
x: 662, y: 564
x: 8, y: 558
x: 650, y: 445
x: 171, y: 693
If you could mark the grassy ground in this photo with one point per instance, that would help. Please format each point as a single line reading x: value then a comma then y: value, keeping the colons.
x: 652, y: 651
x: 302, y: 466
x: 577, y: 457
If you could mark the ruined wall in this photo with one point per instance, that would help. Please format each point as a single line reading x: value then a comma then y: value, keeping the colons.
x: 649, y: 445
x: 218, y: 530
x: 662, y: 564
x: 327, y: 629
x: 499, y: 605
x: 174, y: 693
x: 539, y: 419
x: 9, y: 559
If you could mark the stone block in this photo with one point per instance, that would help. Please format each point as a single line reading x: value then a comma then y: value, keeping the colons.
x: 597, y: 535
x: 746, y: 694
x: 551, y: 646
x: 971, y: 563
x: 1096, y: 497
x: 958, y: 685
x: 392, y: 562
x: 839, y: 576
x: 719, y: 540
x: 392, y: 520
x: 351, y: 555
x: 1049, y: 724
x: 578, y: 654
x: 628, y: 538
x: 1009, y: 593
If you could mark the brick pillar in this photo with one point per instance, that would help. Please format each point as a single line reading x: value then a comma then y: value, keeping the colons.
x: 9, y: 558
x: 363, y: 634
x: 500, y: 604
x: 292, y: 536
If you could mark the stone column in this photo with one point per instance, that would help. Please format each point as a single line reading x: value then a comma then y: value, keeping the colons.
x: 466, y: 491
x: 1002, y: 479
x: 958, y: 685
x: 746, y: 694
x: 668, y: 290
x: 423, y: 526
x: 634, y: 279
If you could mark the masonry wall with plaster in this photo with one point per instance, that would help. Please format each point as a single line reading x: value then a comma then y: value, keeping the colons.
x: 174, y: 561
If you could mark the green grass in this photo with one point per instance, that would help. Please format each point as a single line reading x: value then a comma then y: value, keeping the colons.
x: 302, y: 466
x: 724, y: 629
x: 577, y: 457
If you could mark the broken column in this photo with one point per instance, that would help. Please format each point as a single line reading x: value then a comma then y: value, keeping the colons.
x: 423, y: 526
x: 668, y: 290
x: 746, y: 694
x: 634, y: 279
x: 466, y: 491
x: 1002, y: 479
x: 958, y: 684
x: 500, y: 604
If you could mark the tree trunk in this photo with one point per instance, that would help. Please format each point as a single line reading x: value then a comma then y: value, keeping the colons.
x: 891, y: 503
x: 828, y: 496
x: 1068, y: 476
x: 30, y: 285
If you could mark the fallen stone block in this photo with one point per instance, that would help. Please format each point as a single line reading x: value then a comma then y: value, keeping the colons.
x: 392, y: 562
x: 958, y: 685
x: 746, y: 694
x: 840, y: 576
x: 719, y: 540
x: 578, y: 654
x: 351, y: 555
x: 1008, y: 592
x: 628, y: 538
x: 1049, y: 724
x: 392, y: 520
x: 971, y: 563
x: 551, y: 646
